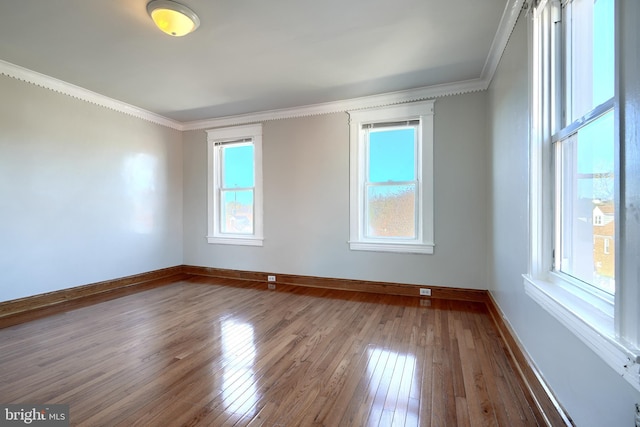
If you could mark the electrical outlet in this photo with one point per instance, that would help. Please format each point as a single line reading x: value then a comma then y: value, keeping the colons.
x: 425, y: 292
x: 271, y: 278
x: 425, y: 302
x: 271, y: 286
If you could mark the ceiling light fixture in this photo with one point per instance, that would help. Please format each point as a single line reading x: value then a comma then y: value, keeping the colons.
x: 173, y: 18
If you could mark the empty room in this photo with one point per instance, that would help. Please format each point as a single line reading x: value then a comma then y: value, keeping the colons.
x: 296, y: 213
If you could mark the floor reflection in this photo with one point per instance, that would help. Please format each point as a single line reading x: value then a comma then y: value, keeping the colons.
x: 239, y: 352
x: 393, y: 388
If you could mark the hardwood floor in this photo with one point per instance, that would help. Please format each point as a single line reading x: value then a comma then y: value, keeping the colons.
x: 203, y: 351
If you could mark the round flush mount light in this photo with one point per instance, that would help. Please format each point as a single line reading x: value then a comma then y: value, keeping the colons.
x: 173, y: 18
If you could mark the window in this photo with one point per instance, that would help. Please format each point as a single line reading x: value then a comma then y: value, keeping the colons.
x: 392, y: 178
x: 584, y: 138
x: 575, y: 176
x: 235, y: 185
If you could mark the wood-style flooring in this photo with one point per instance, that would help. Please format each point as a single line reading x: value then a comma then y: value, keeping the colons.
x: 206, y: 352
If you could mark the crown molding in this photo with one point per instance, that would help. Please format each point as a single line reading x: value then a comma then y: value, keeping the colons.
x: 505, y: 28
x: 23, y: 74
x: 41, y: 80
x: 381, y: 100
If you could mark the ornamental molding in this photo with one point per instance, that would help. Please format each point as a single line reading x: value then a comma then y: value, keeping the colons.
x: 47, y: 82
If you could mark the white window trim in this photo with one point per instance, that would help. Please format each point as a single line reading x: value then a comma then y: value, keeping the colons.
x: 589, y: 315
x: 213, y: 200
x: 424, y: 243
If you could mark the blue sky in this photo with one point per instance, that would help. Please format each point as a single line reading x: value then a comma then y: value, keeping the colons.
x: 603, y: 51
x: 238, y: 166
x: 596, y: 140
x: 239, y: 172
x: 392, y: 155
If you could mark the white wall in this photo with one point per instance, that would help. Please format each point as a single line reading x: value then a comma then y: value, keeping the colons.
x: 592, y: 393
x: 86, y: 194
x: 306, y: 203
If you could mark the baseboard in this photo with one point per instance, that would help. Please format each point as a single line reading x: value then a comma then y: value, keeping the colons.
x: 386, y: 288
x: 543, y: 398
x: 64, y: 296
x: 49, y: 299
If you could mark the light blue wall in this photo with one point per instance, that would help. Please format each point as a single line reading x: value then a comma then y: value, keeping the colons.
x: 591, y: 392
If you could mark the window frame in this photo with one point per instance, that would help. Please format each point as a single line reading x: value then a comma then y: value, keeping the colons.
x: 423, y: 243
x: 592, y: 315
x: 214, y: 185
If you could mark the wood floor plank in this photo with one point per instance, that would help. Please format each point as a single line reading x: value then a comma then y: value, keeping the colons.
x: 204, y: 351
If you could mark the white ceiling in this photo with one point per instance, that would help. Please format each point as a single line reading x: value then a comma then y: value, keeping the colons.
x: 251, y: 55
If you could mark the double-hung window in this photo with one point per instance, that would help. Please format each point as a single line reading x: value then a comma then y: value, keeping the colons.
x: 392, y: 178
x: 235, y: 185
x: 584, y: 144
x: 575, y: 178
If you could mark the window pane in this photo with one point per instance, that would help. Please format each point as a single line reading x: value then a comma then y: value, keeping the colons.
x: 588, y: 204
x: 392, y: 155
x: 238, y: 166
x: 237, y: 212
x: 390, y: 211
x: 591, y: 54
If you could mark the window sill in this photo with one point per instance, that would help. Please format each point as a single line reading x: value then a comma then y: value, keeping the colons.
x: 240, y: 241
x: 590, y: 324
x: 410, y: 248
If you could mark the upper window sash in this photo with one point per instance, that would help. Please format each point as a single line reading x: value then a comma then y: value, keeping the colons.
x: 587, y: 55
